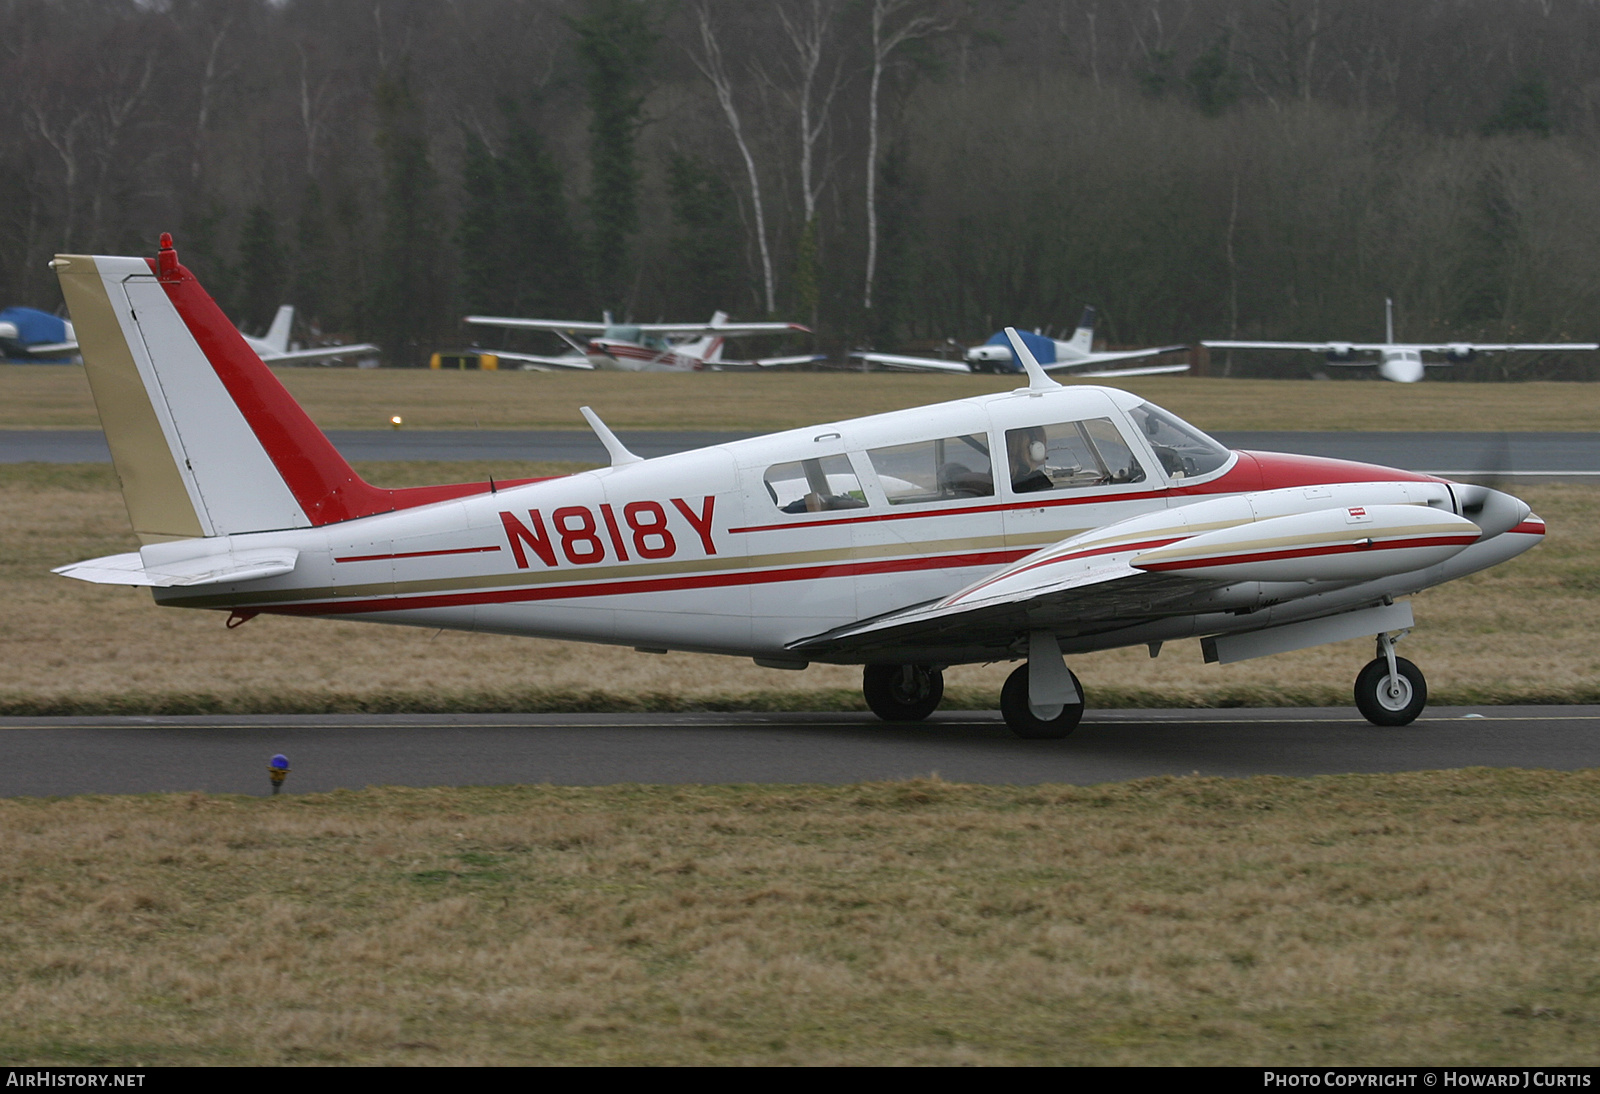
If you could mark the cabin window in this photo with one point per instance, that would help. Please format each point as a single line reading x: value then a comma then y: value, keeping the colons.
x: 950, y: 467
x: 1070, y: 456
x: 1183, y: 450
x: 815, y: 486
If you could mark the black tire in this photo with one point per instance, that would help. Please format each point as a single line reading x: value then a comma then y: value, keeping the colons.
x: 902, y: 693
x: 1378, y: 706
x: 1025, y: 723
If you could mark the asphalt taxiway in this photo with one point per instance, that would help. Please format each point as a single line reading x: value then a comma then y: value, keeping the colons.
x: 131, y: 755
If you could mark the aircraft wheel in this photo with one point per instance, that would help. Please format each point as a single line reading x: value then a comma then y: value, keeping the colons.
x: 902, y: 693
x: 1386, y: 705
x: 1022, y: 719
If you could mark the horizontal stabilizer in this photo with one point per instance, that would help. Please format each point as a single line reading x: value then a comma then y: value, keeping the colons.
x: 162, y: 568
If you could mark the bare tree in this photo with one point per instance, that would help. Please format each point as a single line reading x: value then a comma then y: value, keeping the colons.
x: 894, y: 23
x: 709, y: 61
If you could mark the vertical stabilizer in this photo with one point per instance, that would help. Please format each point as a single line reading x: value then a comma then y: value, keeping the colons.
x: 278, y: 334
x: 1082, y: 340
x: 205, y: 439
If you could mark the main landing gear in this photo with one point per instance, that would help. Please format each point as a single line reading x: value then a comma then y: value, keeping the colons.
x: 1390, y: 691
x: 902, y: 693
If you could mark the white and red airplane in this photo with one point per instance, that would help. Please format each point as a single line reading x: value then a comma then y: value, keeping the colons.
x: 1017, y: 526
x: 644, y: 347
x: 1403, y: 362
x: 1076, y: 355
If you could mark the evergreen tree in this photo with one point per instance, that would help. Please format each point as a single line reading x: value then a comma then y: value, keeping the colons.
x: 519, y: 252
x: 1525, y: 109
x: 1212, y: 80
x: 705, y: 247
x: 615, y: 40
x: 481, y: 231
x: 410, y: 307
x: 261, y: 269
x: 310, y: 292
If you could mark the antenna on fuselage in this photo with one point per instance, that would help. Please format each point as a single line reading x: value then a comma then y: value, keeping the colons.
x: 1388, y: 319
x: 617, y: 450
x: 1038, y: 379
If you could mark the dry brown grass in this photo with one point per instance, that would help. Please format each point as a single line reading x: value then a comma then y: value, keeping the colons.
x: 1523, y: 632
x: 1352, y: 920
x: 57, y: 397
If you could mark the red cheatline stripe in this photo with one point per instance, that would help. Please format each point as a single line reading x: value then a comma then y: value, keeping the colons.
x: 1531, y: 528
x: 326, y: 487
x: 646, y: 585
x: 1311, y: 552
x: 418, y: 554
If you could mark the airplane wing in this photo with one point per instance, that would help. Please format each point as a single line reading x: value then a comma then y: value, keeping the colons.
x: 1505, y: 347
x: 1313, y: 347
x: 44, y: 349
x: 556, y: 325
x: 320, y: 353
x: 1143, y: 370
x: 910, y: 364
x: 770, y: 362
x: 1107, y: 357
x: 725, y: 329
x: 1172, y: 563
x: 564, y: 361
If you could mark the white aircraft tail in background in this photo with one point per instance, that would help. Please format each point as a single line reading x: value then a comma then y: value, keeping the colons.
x: 1076, y: 354
x: 273, y: 347
x: 1403, y: 362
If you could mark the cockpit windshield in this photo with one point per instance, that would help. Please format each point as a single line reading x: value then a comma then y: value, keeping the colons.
x: 1183, y: 450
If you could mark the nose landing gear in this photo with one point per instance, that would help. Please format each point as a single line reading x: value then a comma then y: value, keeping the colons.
x: 1390, y: 691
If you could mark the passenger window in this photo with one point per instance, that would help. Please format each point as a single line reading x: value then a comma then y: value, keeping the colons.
x: 815, y: 486
x: 950, y: 467
x: 1070, y: 456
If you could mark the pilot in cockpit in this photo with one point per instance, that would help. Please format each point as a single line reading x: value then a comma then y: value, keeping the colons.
x: 1028, y: 450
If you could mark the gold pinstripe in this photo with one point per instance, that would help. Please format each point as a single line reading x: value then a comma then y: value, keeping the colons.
x: 730, y: 564
x: 158, y: 502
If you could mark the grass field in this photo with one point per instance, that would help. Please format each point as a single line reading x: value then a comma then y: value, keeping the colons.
x: 57, y: 397
x: 1523, y: 632
x: 1411, y: 919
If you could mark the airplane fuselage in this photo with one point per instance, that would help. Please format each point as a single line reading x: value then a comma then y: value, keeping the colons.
x: 749, y: 547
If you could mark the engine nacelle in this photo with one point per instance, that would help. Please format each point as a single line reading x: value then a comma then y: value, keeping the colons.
x: 1339, y: 351
x: 1459, y: 352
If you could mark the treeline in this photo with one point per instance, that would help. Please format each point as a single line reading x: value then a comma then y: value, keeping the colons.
x: 898, y: 172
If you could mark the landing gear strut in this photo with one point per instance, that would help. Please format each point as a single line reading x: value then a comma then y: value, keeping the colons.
x: 902, y: 693
x: 1390, y: 691
x: 1046, y: 723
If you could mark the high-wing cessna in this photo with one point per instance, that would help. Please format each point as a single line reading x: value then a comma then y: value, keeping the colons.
x: 996, y: 355
x: 644, y: 347
x: 1402, y: 361
x: 273, y: 347
x: 1023, y: 525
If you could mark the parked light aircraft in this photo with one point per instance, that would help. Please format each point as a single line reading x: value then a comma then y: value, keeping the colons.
x: 1022, y: 525
x: 1402, y: 361
x: 27, y: 333
x: 273, y: 347
x: 996, y: 355
x: 644, y: 347
x: 31, y: 333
